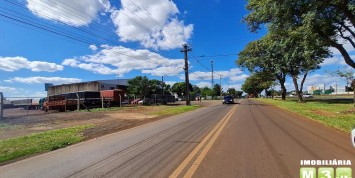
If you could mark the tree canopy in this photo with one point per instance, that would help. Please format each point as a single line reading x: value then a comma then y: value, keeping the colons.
x: 142, y: 86
x: 179, y: 88
x: 139, y: 86
x: 256, y: 83
x: 329, y: 21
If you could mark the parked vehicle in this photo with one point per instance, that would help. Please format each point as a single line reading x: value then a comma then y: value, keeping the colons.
x: 307, y: 96
x: 228, y: 100
x: 59, y: 103
x: 112, y: 97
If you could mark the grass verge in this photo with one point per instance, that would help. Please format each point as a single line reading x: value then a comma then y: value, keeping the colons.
x: 103, y: 109
x: 175, y: 110
x: 330, y: 114
x: 40, y: 142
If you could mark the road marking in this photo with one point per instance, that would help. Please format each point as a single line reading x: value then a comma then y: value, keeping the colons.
x: 193, y: 168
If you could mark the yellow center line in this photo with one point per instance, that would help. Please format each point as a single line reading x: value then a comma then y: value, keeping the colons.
x: 182, y: 166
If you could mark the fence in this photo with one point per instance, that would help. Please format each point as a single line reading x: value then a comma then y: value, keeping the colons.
x: 24, y: 106
x: 18, y: 106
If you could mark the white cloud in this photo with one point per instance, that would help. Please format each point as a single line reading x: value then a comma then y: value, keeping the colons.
x: 11, y: 64
x: 75, y: 13
x: 204, y: 84
x: 120, y: 60
x: 153, y: 23
x: 36, y: 80
x: 235, y: 86
x: 171, y: 83
x: 93, y: 47
x: 161, y: 71
x: 337, y: 60
x: 7, y: 89
x: 239, y: 78
x: 198, y: 75
x: 231, y: 74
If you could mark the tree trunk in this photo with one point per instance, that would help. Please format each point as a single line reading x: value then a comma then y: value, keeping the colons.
x: 283, y: 90
x: 302, y: 82
x: 282, y: 80
x: 353, y: 85
x: 295, y: 83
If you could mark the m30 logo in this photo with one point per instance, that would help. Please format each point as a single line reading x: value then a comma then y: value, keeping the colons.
x: 326, y: 172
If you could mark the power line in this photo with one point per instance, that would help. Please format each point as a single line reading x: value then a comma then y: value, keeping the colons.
x: 145, y: 12
x: 51, y: 18
x: 54, y: 31
x: 216, y: 56
x: 45, y: 29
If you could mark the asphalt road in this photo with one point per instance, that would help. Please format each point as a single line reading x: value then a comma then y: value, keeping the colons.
x: 151, y: 150
x: 262, y: 141
x: 242, y: 140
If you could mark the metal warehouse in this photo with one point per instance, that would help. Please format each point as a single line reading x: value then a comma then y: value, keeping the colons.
x: 98, y: 85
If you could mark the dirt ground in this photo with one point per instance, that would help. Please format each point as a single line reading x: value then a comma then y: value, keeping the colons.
x: 104, y: 122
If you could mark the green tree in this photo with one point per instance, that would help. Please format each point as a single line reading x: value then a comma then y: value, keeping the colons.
x: 348, y: 75
x: 205, y: 91
x: 239, y: 94
x: 196, y: 89
x: 284, y: 52
x: 217, y: 90
x: 155, y: 86
x: 256, y: 83
x: 328, y: 21
x: 139, y: 86
x: 180, y: 88
x: 232, y: 92
x: 265, y: 55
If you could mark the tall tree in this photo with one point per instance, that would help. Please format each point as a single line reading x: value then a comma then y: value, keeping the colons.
x: 180, y: 88
x: 256, y: 83
x: 231, y: 91
x: 284, y: 52
x: 155, y: 86
x: 239, y: 94
x: 139, y: 86
x: 266, y: 55
x: 217, y: 89
x: 205, y: 91
x: 303, y: 55
x: 196, y: 89
x: 330, y: 21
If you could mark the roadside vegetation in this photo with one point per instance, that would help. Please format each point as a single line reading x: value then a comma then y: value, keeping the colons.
x: 332, y: 113
x: 103, y: 109
x: 296, y: 44
x: 79, y: 126
x: 40, y: 142
x: 175, y: 110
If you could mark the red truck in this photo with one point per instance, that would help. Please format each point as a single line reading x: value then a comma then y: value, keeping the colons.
x: 112, y: 97
x: 59, y: 103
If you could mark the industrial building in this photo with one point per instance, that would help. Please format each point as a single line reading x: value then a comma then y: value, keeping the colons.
x: 98, y: 85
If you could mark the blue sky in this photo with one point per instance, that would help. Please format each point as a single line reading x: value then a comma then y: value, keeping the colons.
x: 65, y: 41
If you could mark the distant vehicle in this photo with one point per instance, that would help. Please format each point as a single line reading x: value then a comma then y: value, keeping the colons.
x: 228, y: 100
x: 353, y: 137
x: 307, y: 96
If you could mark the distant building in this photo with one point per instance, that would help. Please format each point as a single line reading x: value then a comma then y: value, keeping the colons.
x: 88, y: 86
x: 321, y: 89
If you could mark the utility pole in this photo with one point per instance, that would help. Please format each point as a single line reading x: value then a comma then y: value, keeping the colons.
x: 1, y: 105
x: 212, y: 77
x: 187, y: 89
x: 220, y: 84
x: 212, y: 73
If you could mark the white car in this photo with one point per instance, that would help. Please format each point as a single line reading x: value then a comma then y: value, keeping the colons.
x: 353, y: 137
x: 307, y: 96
